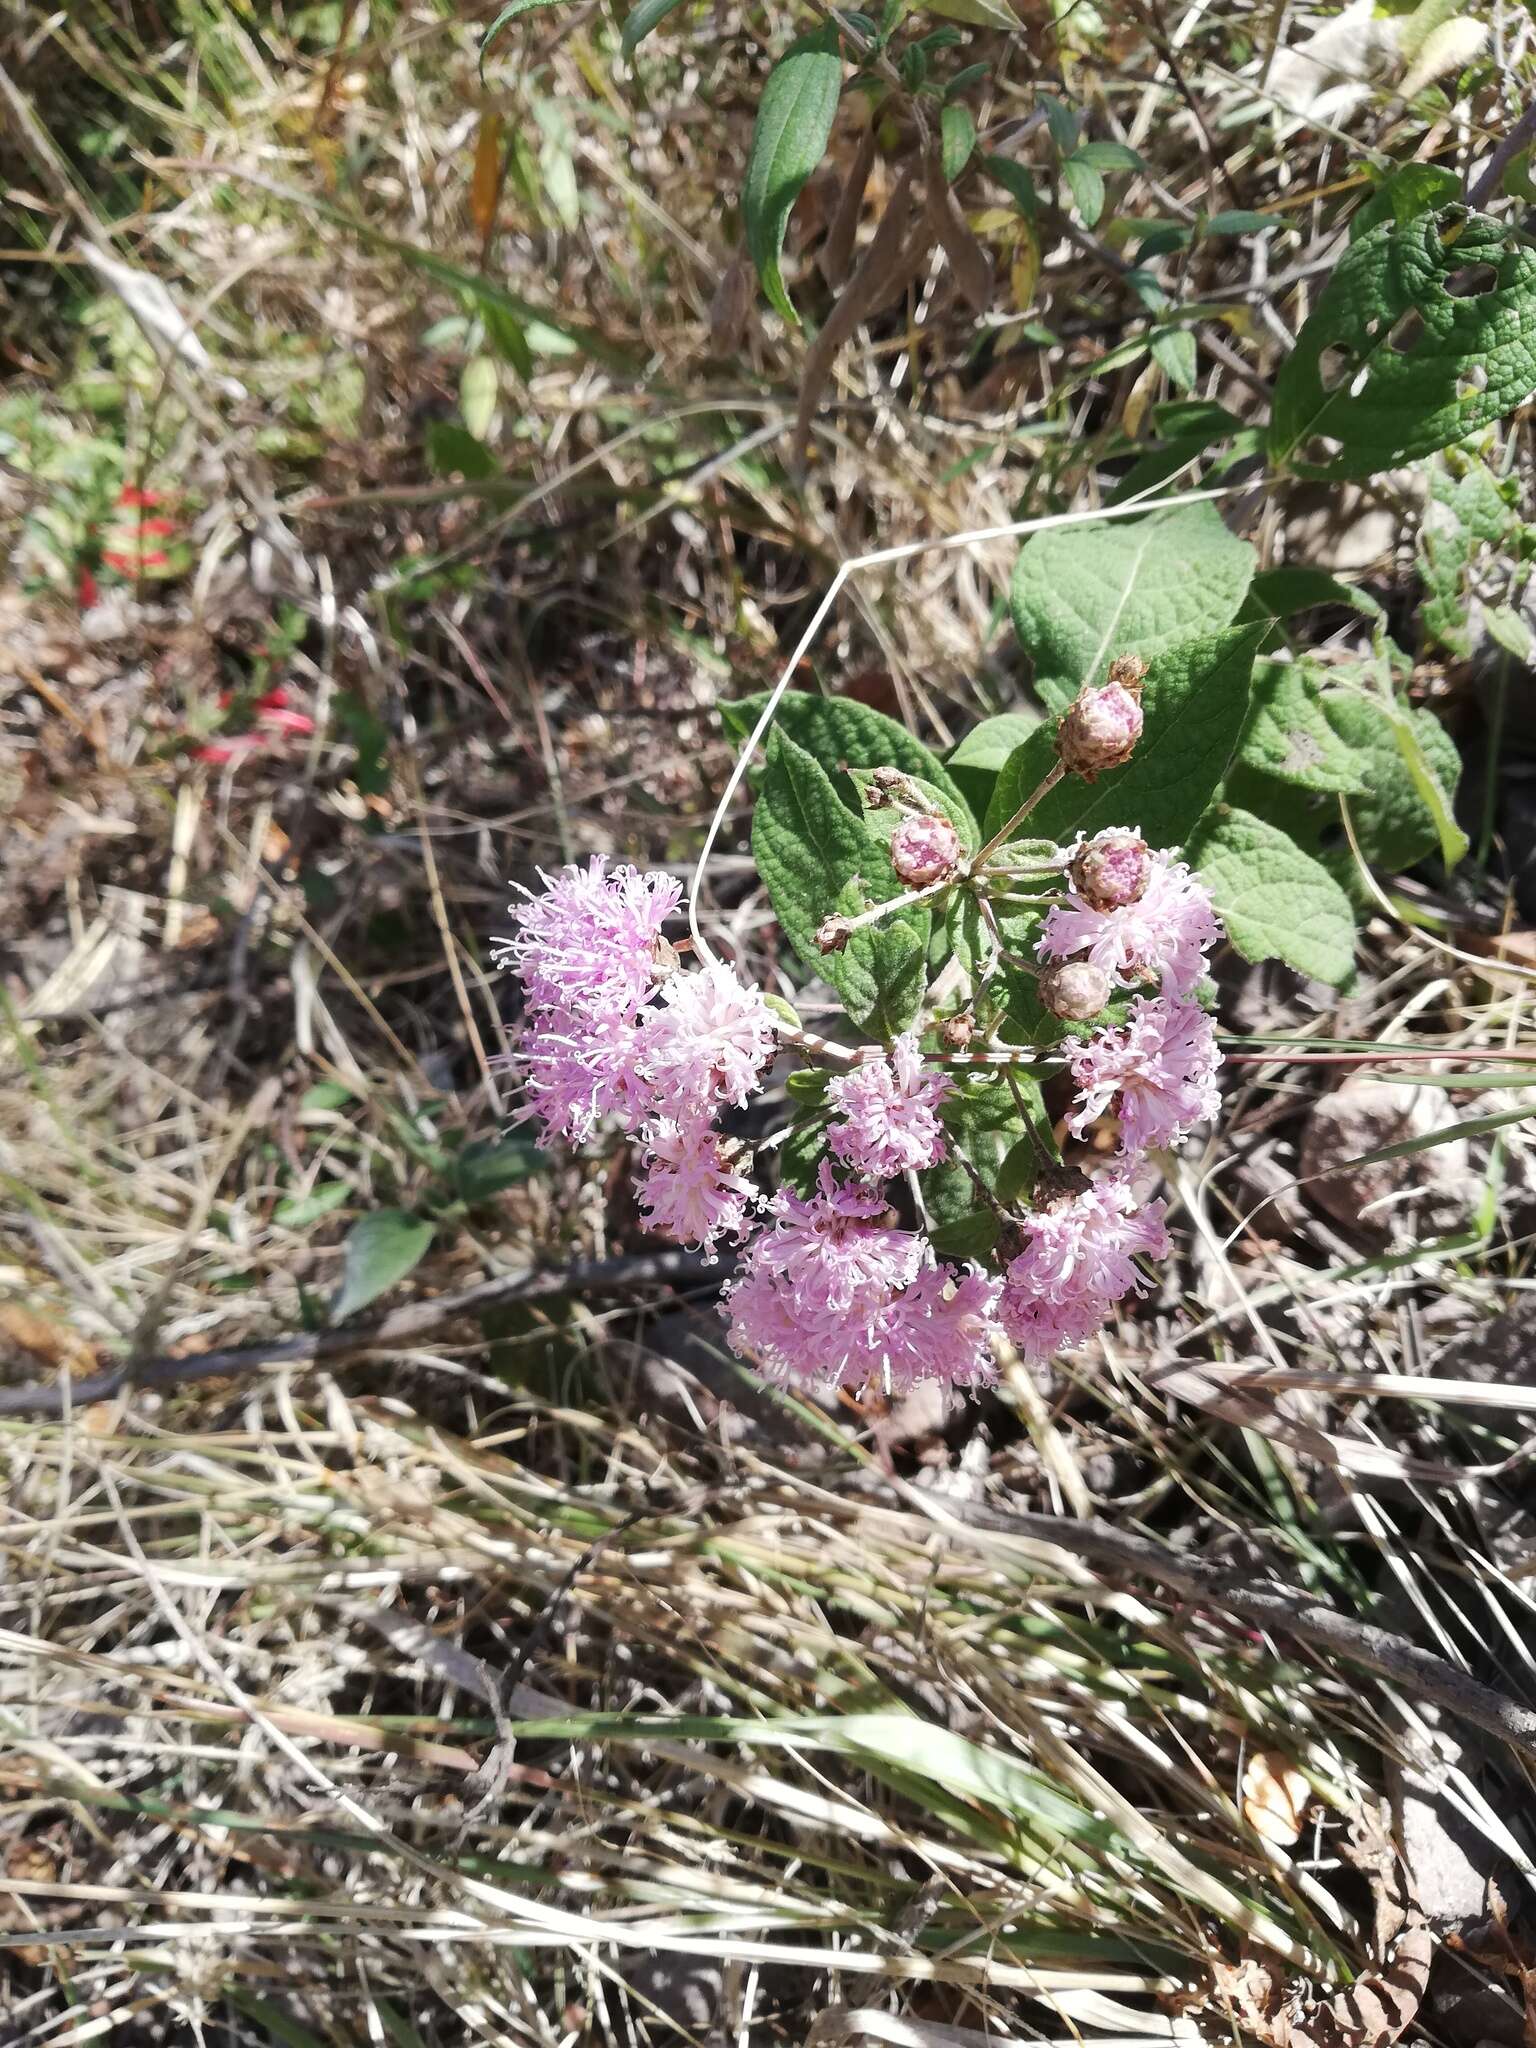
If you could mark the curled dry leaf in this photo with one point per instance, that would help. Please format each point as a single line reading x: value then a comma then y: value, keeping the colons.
x: 837, y: 251
x: 1275, y: 1796
x: 730, y: 307
x: 40, y: 1337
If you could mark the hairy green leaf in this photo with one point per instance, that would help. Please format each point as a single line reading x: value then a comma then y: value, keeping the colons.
x: 1409, y: 190
x: 841, y: 734
x: 1081, y: 595
x: 381, y: 1248
x: 794, y: 120
x: 816, y: 857
x: 1276, y: 901
x: 1288, y: 734
x: 1394, y: 824
x: 1195, y: 703
x: 1425, y: 332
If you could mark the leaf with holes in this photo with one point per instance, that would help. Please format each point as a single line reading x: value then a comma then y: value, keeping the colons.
x: 816, y: 858
x: 1288, y: 734
x: 794, y: 120
x: 1195, y: 703
x: 1276, y: 901
x: 1425, y: 332
x: 1081, y: 595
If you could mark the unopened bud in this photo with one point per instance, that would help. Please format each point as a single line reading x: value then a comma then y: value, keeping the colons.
x: 925, y: 850
x: 957, y: 1032
x: 1075, y: 991
x: 1101, y: 726
x: 1112, y: 870
x: 832, y: 934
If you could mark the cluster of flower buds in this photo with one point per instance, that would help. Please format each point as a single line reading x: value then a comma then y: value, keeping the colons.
x: 831, y: 1288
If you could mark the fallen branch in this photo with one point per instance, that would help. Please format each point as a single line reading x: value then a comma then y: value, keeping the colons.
x: 1280, y: 1609
x: 400, y: 1327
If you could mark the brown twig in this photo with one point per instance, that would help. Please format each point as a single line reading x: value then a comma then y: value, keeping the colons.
x: 402, y: 1326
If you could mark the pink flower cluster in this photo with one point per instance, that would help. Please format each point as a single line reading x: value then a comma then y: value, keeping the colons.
x: 830, y: 1289
x: 590, y: 955
x: 1077, y: 1262
x: 829, y: 1294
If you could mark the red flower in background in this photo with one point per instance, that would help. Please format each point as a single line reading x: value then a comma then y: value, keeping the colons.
x: 274, y: 722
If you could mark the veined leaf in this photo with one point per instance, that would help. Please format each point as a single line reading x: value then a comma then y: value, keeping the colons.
x: 957, y: 138
x: 1288, y: 734
x: 1082, y: 595
x: 1276, y: 901
x: 841, y: 734
x: 816, y: 858
x: 794, y: 120
x: 1394, y: 824
x: 1425, y: 332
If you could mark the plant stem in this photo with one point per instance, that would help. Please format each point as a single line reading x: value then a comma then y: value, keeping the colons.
x: 1019, y: 816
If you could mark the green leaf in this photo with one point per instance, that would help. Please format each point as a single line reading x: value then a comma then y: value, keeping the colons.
x: 1082, y: 595
x: 974, y: 764
x: 1288, y: 734
x: 508, y: 14
x: 452, y: 448
x: 1175, y: 354
x: 1433, y: 793
x: 957, y: 138
x: 1276, y: 901
x: 841, y: 735
x: 812, y: 852
x: 801, y: 1154
x: 1410, y: 190
x: 300, y: 1210
x: 640, y: 20
x: 1402, y: 353
x: 975, y: 13
x: 1239, y: 221
x: 492, y: 1165
x: 1394, y: 825
x: 1015, y: 181
x: 1064, y: 123
x: 1108, y: 156
x: 794, y: 120
x: 381, y: 1249
x: 1195, y: 702
x: 1087, y: 188
x: 986, y: 1118
x: 1281, y: 593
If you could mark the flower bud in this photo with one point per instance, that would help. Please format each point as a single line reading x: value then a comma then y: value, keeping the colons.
x: 925, y: 850
x: 957, y: 1032
x: 832, y: 934
x: 1101, y: 726
x: 1112, y: 870
x: 1075, y: 991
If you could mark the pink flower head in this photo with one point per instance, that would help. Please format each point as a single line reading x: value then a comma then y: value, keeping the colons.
x: 888, y: 1113
x: 1157, y: 1072
x: 575, y: 1071
x: 707, y: 1042
x: 1164, y: 935
x: 1112, y: 869
x: 830, y: 1296
x: 942, y: 1327
x: 587, y: 944
x: 1077, y: 1262
x: 689, y: 1192
x: 924, y: 850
